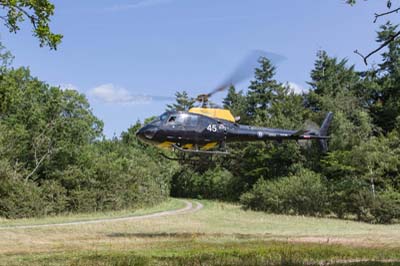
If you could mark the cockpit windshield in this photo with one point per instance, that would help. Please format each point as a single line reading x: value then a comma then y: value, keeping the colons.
x: 164, y: 116
x: 159, y: 119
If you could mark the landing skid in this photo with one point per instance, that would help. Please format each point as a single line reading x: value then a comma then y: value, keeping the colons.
x: 186, y: 158
x: 199, y: 151
x: 195, y: 157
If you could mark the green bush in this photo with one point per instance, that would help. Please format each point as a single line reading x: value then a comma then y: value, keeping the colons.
x: 19, y: 199
x: 107, y: 176
x: 352, y: 196
x: 115, y: 177
x: 386, y: 207
x: 304, y: 193
x: 54, y: 197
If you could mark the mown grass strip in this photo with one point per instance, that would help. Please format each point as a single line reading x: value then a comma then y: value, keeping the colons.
x: 168, y: 205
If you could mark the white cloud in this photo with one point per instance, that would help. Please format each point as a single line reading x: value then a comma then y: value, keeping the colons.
x: 137, y: 4
x: 109, y: 93
x: 296, y: 88
x: 68, y: 86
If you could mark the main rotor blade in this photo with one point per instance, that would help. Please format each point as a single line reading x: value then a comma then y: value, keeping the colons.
x: 246, y: 68
x: 148, y: 98
x: 133, y: 98
x: 162, y: 98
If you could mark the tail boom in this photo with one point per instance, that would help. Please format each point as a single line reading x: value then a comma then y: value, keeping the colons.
x: 249, y: 133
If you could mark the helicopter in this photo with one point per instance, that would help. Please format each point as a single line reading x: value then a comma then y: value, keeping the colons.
x: 207, y: 130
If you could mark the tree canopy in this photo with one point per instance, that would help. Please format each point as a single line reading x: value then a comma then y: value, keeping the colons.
x: 38, y: 13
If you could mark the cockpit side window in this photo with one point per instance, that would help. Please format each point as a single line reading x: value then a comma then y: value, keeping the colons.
x: 192, y: 120
x: 172, y: 119
x: 177, y: 119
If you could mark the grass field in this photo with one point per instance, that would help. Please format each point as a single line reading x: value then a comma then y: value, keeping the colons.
x: 219, y: 234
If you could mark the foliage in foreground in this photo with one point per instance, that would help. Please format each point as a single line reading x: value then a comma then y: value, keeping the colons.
x: 246, y: 253
x: 37, y: 13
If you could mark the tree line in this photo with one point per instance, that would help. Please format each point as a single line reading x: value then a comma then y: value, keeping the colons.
x: 55, y: 159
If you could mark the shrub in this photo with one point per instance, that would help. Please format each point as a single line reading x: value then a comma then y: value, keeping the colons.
x: 19, y: 199
x: 304, y: 193
x: 116, y: 177
x: 352, y: 196
x: 386, y: 207
x: 54, y: 197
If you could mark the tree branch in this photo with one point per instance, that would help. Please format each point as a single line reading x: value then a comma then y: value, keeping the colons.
x: 37, y: 142
x: 20, y: 9
x: 377, y: 15
x: 37, y: 166
x: 4, y: 18
x: 29, y: 16
x: 386, y: 43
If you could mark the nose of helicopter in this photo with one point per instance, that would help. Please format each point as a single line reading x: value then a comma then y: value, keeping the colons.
x: 146, y: 133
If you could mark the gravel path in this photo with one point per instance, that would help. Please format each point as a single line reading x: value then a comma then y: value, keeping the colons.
x: 189, y: 208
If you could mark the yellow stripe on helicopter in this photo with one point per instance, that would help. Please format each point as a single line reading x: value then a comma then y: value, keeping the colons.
x: 214, y: 113
x: 165, y: 144
x: 209, y: 146
x: 187, y: 146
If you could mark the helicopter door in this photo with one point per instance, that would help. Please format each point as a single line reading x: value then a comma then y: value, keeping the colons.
x: 191, y: 128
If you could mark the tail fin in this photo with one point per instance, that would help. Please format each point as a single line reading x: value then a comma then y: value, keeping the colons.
x: 323, y: 132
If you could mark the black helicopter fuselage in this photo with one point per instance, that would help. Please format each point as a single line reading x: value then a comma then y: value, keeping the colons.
x: 195, y: 132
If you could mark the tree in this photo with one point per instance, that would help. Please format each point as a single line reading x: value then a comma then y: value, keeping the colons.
x: 378, y: 161
x: 387, y: 105
x: 236, y: 102
x: 183, y: 102
x: 128, y: 137
x: 334, y: 88
x: 390, y: 39
x: 378, y: 88
x: 38, y: 13
x: 332, y: 82
x: 47, y: 126
x: 261, y: 89
x: 267, y: 103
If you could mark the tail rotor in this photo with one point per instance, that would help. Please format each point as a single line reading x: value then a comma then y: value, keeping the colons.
x: 323, y: 132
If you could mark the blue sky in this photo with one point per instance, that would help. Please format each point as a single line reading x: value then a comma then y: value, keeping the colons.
x: 114, y: 50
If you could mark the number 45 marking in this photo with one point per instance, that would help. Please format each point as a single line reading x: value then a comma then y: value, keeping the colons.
x: 212, y: 128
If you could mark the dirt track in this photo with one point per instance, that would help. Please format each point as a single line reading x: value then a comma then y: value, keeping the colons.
x: 189, y: 208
